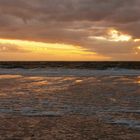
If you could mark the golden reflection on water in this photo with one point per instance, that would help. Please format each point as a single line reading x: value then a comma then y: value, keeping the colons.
x: 78, y: 81
x: 40, y: 83
x: 129, y: 79
x: 10, y: 76
x: 138, y: 81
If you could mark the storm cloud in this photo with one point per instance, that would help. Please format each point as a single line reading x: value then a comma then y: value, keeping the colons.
x: 73, y: 22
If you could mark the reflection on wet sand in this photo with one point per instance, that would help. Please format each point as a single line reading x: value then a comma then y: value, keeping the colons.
x: 114, y: 100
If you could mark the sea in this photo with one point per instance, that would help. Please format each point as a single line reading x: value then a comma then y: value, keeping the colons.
x: 34, y: 94
x: 70, y: 68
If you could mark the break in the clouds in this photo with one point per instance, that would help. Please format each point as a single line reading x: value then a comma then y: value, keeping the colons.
x: 86, y: 23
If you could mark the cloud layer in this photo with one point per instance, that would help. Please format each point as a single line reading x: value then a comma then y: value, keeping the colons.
x: 74, y: 22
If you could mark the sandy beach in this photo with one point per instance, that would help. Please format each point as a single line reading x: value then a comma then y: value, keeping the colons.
x: 69, y: 108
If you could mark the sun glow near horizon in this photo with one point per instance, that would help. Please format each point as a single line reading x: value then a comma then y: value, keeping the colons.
x: 32, y: 50
x: 15, y: 49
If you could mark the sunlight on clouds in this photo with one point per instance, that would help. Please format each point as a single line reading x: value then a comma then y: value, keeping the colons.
x: 36, y: 45
x: 136, y: 40
x: 118, y: 36
x: 113, y: 35
x: 97, y: 37
x: 3, y: 48
x: 46, y: 51
x: 40, y: 47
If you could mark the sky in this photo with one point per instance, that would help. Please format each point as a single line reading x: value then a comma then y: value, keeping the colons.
x: 65, y: 30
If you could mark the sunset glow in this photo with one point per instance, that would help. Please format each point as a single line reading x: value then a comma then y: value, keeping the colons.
x: 45, y: 51
x: 69, y: 69
x: 69, y: 30
x: 114, y: 36
x: 118, y: 36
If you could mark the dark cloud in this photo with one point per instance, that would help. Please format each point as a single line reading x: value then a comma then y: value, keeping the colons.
x: 71, y: 21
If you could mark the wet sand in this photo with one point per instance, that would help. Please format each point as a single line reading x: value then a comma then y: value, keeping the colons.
x: 69, y: 108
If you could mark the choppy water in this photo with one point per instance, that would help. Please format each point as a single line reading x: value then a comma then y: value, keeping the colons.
x: 55, y: 69
x: 102, y: 65
x: 113, y: 99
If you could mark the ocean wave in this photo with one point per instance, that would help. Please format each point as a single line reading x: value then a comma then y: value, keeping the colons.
x: 72, y: 65
x: 68, y: 72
